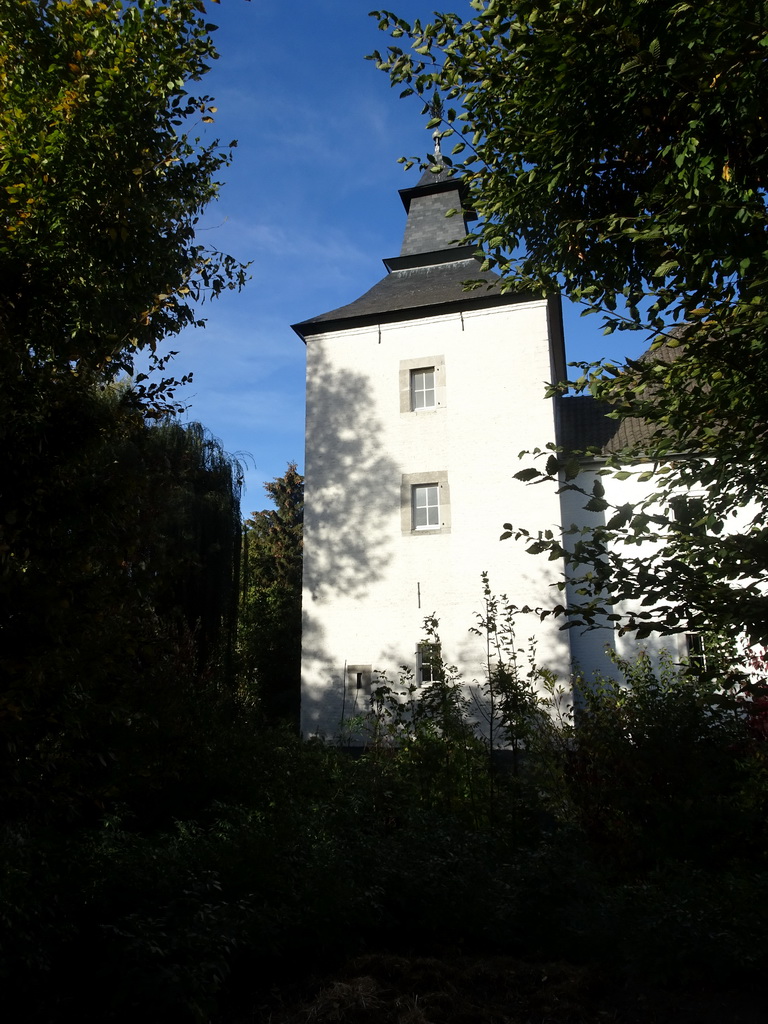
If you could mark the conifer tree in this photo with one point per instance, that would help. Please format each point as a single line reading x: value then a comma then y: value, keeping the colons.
x: 270, y: 615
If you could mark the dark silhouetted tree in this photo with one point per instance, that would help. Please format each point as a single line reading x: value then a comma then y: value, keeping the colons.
x: 117, y: 540
x: 270, y: 617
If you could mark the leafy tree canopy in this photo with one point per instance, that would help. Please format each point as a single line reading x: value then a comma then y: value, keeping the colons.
x: 617, y: 151
x: 100, y: 186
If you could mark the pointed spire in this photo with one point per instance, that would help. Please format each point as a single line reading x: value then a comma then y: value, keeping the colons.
x: 428, y: 203
x: 431, y: 270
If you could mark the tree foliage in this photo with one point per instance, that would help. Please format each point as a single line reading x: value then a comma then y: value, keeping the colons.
x: 617, y: 152
x: 118, y: 625
x: 270, y: 611
x: 119, y: 543
x: 101, y: 187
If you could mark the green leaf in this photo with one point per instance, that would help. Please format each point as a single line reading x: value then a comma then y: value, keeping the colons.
x: 665, y: 268
x: 596, y: 505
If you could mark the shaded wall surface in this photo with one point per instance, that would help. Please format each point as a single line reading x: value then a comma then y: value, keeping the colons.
x: 369, y: 578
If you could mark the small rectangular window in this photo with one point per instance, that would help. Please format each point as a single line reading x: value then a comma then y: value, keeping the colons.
x: 421, y: 382
x: 425, y: 503
x: 428, y: 662
x: 359, y: 679
x: 423, y: 388
x: 426, y: 506
x: 697, y: 657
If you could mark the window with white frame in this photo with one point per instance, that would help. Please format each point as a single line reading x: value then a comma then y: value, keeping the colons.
x: 428, y: 662
x: 422, y: 384
x: 423, y: 388
x: 426, y: 506
x: 425, y: 502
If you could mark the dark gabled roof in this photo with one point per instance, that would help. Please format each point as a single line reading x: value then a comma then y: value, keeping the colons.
x: 584, y: 422
x: 430, y: 276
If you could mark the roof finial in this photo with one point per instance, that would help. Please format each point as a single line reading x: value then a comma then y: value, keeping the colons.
x: 436, y: 112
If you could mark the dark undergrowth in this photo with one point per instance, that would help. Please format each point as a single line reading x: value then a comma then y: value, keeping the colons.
x: 625, y: 852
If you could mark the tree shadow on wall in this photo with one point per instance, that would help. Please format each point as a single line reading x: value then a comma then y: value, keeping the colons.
x: 352, y: 488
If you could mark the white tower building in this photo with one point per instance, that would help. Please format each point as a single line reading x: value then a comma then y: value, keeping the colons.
x: 420, y: 395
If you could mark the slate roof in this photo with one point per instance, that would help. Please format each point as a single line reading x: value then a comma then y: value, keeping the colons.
x: 429, y: 275
x: 420, y: 290
x: 429, y: 178
x: 583, y: 422
x: 442, y: 181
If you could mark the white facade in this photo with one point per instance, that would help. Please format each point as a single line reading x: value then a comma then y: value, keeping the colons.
x: 589, y: 648
x: 370, y: 576
x: 420, y: 397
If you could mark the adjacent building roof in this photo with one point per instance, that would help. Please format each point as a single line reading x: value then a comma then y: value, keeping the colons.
x: 584, y: 423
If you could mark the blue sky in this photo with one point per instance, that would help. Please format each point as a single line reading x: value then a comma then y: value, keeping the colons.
x: 311, y: 199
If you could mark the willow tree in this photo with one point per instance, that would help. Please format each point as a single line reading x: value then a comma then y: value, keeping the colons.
x: 617, y: 151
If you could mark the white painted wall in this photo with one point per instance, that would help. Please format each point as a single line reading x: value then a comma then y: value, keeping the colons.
x: 589, y: 647
x: 362, y: 575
